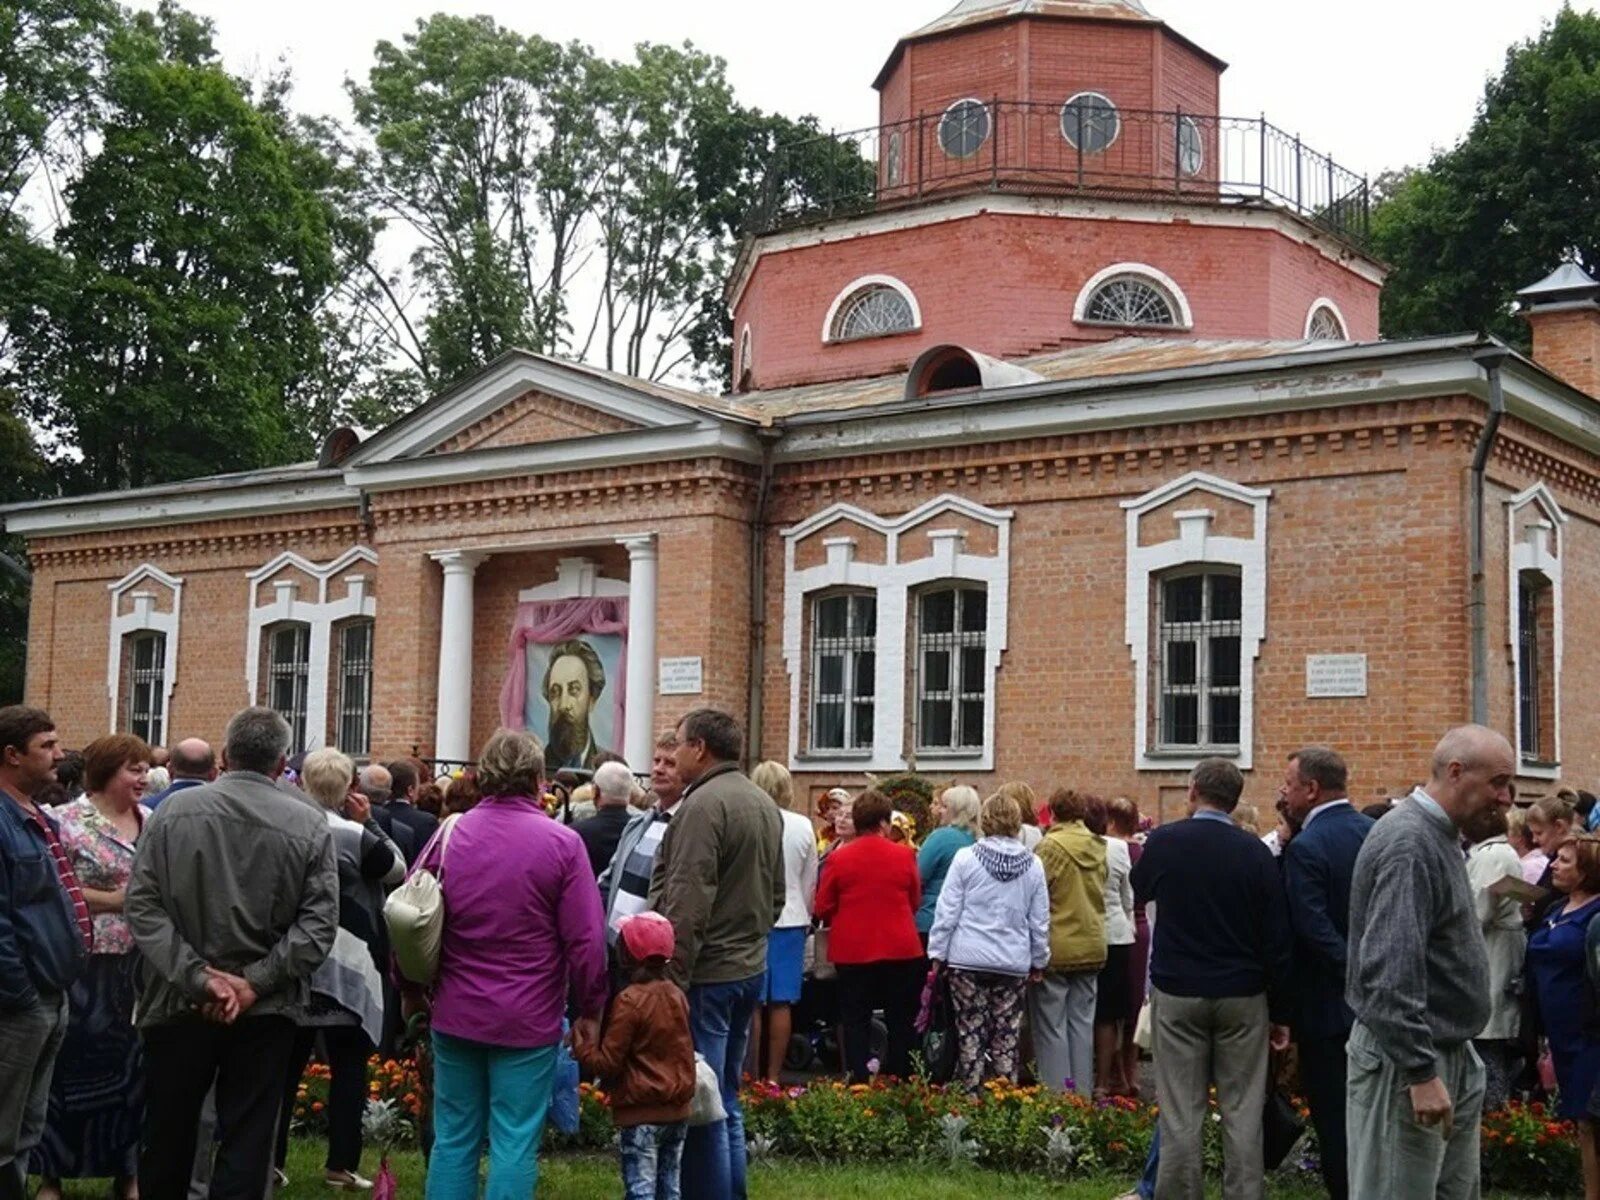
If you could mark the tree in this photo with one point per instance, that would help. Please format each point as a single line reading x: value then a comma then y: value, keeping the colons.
x: 1501, y: 209
x: 185, y: 329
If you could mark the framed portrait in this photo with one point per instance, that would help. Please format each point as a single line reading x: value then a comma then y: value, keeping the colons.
x: 574, y: 697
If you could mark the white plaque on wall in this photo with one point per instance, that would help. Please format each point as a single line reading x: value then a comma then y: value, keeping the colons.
x: 1331, y: 676
x: 679, y: 677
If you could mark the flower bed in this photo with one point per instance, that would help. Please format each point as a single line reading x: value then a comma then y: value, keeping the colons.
x: 1004, y: 1127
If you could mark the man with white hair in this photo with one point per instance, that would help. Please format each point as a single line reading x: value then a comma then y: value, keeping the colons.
x: 1417, y: 981
x: 613, y: 785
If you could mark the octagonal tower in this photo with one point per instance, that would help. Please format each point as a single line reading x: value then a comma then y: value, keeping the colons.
x: 1047, y: 173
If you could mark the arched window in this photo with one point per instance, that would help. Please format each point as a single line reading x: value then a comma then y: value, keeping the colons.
x: 874, y: 306
x: 742, y: 376
x: 964, y: 128
x: 1132, y: 294
x: 1090, y: 122
x: 1325, y: 324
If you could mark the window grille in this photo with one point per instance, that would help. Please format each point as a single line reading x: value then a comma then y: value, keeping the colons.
x: 964, y: 128
x: 1089, y: 121
x: 952, y: 678
x: 1528, y: 647
x: 1325, y: 326
x: 288, y: 671
x: 1200, y: 667
x: 844, y: 663
x: 355, y: 688
x: 874, y: 311
x: 1131, y: 300
x: 147, y: 692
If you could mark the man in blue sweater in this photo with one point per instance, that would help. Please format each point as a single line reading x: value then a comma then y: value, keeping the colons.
x: 1218, y: 971
x: 1318, y: 865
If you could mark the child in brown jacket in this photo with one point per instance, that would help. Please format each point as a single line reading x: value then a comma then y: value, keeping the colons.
x: 645, y: 1059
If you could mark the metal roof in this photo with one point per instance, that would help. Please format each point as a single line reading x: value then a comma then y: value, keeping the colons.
x: 1569, y: 281
x: 975, y: 12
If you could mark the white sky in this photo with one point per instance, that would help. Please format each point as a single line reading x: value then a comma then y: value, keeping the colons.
x: 1375, y: 83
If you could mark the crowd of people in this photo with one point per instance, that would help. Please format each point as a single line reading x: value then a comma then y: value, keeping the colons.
x: 170, y: 961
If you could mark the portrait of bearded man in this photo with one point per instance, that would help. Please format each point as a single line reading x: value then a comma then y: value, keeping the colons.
x: 573, y: 684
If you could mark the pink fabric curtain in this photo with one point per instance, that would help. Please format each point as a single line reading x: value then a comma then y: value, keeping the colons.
x: 546, y: 622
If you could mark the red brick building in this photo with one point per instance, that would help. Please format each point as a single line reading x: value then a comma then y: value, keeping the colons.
x: 1064, y: 449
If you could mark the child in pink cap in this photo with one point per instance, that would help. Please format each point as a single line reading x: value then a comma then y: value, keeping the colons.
x: 645, y: 1060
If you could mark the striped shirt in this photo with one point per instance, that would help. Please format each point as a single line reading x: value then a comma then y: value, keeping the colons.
x: 633, y: 888
x: 64, y: 871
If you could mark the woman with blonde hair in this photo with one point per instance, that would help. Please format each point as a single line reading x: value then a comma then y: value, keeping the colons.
x: 346, y: 1006
x: 1028, y: 833
x: 786, y: 944
x: 955, y: 811
x: 991, y: 933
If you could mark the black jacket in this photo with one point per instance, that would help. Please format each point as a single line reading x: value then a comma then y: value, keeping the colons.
x: 1318, y: 866
x: 41, y: 946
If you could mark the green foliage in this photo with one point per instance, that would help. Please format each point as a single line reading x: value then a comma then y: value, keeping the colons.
x: 911, y: 793
x: 1501, y: 209
x: 181, y: 331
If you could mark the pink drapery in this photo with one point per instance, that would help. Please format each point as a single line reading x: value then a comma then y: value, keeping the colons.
x: 546, y: 622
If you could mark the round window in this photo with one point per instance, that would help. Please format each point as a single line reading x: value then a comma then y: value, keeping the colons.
x: 891, y: 161
x: 964, y: 128
x: 1090, y: 123
x: 1191, y: 149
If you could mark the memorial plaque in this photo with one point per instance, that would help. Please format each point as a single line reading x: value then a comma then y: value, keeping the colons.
x: 679, y: 677
x: 1335, y: 676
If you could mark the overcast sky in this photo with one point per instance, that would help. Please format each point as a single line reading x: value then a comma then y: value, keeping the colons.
x: 1375, y: 83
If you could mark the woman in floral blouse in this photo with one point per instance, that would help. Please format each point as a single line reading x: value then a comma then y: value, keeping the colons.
x: 97, y: 1093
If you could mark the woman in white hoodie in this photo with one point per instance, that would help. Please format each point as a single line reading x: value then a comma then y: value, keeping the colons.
x: 991, y: 936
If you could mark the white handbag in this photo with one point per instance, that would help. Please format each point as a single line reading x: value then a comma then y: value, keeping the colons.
x: 414, y: 913
x: 706, y: 1108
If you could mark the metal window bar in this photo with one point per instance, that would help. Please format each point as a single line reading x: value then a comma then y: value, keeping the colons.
x: 951, y: 717
x: 1195, y: 672
x: 147, y: 690
x: 843, y: 699
x: 355, y: 688
x: 1528, y: 667
x: 288, y: 674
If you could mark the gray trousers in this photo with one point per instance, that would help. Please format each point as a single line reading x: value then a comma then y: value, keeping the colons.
x: 29, y: 1042
x: 1198, y: 1043
x: 1061, y: 1011
x: 1390, y: 1154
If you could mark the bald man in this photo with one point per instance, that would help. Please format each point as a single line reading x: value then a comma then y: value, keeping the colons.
x: 1417, y: 981
x: 192, y: 763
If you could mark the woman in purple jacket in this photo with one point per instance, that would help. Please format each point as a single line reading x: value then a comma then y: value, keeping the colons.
x: 522, y: 924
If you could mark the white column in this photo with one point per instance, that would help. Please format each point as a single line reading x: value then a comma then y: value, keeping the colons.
x: 453, y: 730
x: 638, y: 740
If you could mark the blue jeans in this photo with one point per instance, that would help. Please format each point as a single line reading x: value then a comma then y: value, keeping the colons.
x: 1147, y: 1182
x: 481, y: 1090
x: 651, y: 1158
x: 719, y: 1019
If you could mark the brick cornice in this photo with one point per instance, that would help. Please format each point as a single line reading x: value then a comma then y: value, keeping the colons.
x: 248, y: 540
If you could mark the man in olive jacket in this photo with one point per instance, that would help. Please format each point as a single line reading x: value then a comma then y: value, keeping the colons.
x: 1063, y: 1001
x: 234, y: 902
x: 719, y: 880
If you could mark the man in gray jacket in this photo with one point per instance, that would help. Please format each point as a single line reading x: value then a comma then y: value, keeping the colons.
x: 234, y: 902
x: 1417, y: 980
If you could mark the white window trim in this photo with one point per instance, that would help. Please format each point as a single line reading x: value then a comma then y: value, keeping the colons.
x: 858, y: 285
x: 1161, y: 279
x: 321, y: 614
x: 1338, y: 315
x: 1543, y: 553
x: 1195, y: 545
x: 1090, y: 94
x: 895, y: 581
x: 938, y: 130
x: 142, y: 618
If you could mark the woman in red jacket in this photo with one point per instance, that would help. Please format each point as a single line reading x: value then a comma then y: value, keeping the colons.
x: 868, y: 896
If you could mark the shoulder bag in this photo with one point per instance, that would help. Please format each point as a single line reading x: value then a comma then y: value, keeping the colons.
x: 414, y: 913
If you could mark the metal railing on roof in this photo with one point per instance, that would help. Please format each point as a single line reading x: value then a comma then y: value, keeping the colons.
x: 1084, y: 147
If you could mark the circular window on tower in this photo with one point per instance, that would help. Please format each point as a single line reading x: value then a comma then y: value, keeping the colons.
x: 1090, y: 123
x: 964, y: 128
x: 891, y: 161
x: 1191, y: 147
